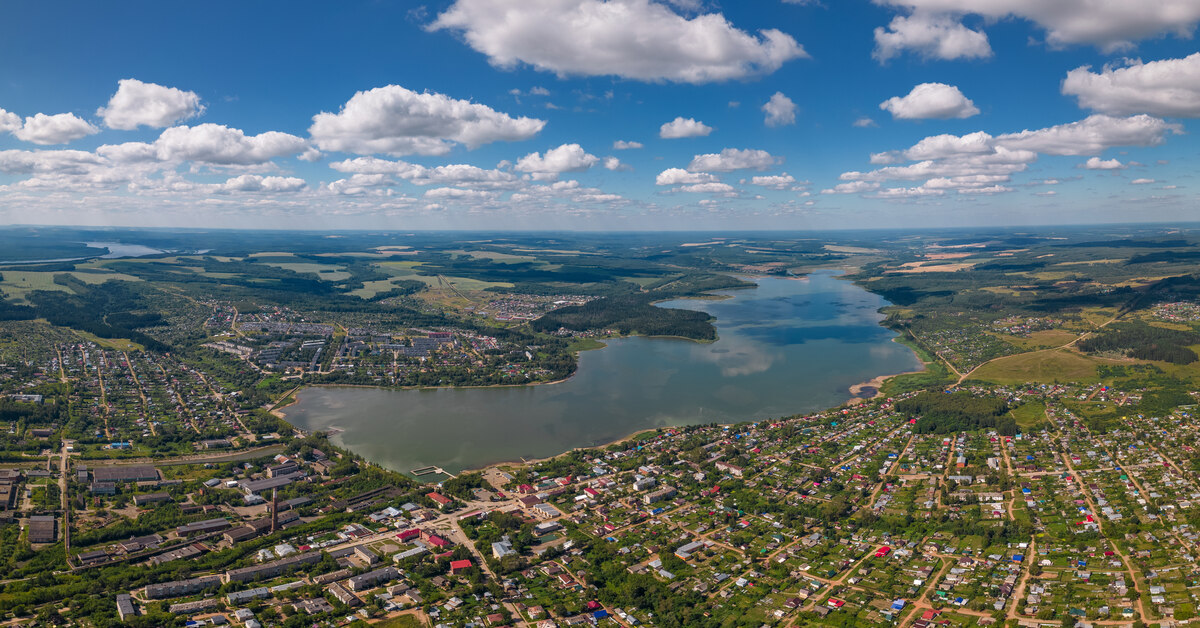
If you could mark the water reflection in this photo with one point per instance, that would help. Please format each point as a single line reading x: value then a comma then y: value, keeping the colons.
x: 786, y: 347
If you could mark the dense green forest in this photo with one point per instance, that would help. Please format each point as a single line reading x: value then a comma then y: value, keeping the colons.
x: 1144, y: 342
x: 630, y: 314
x: 947, y: 413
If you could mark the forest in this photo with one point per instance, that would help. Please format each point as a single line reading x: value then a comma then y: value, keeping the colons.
x: 1144, y: 342
x: 629, y: 314
x: 948, y: 413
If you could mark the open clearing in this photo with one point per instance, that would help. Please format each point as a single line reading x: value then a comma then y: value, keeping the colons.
x: 1041, y: 366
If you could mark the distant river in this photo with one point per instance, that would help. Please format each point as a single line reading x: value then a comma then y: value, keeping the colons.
x: 789, y: 346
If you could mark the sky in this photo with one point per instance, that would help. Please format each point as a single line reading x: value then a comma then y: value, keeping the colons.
x: 599, y: 114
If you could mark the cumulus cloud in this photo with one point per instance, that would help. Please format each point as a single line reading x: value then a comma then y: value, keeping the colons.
x: 1169, y: 88
x: 1110, y: 24
x: 460, y: 175
x: 1092, y: 135
x: 1095, y: 163
x: 399, y: 121
x: 731, y: 159
x: 48, y: 161
x: 612, y: 163
x: 913, y: 192
x: 634, y: 39
x: 853, y: 187
x: 679, y: 176
x: 683, y: 127
x: 146, y: 104
x: 933, y: 36
x: 708, y: 188
x: 565, y: 158
x: 56, y: 129
x: 930, y: 100
x: 626, y: 145
x: 783, y: 181
x: 9, y: 122
x: 780, y: 110
x: 221, y: 145
x: 256, y: 183
x: 864, y: 122
x: 980, y: 163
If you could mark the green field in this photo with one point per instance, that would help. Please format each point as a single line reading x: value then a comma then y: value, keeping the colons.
x: 1040, y: 366
x: 403, y: 621
x: 1029, y: 414
x: 328, y: 272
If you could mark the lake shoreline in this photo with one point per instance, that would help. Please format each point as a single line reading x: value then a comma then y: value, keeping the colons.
x: 505, y: 429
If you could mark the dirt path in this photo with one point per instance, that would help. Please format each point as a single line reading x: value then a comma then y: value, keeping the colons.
x: 1087, y: 496
x: 963, y: 377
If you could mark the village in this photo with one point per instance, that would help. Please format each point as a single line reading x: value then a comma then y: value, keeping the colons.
x: 853, y: 516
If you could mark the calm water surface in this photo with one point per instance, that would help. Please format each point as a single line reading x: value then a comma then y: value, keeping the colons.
x: 786, y: 347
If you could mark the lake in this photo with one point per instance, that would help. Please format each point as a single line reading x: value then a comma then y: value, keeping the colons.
x: 788, y: 346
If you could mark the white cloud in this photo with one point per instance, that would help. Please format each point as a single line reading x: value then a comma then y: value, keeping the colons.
x: 679, y: 176
x: 136, y: 103
x: 783, y: 181
x: 1142, y: 181
x: 731, y: 159
x: 359, y: 184
x: 683, y: 127
x: 995, y: 189
x: 940, y: 147
x: 930, y: 35
x: 974, y: 181
x: 1170, y: 88
x: 914, y: 192
x: 980, y: 163
x: 1110, y: 24
x: 852, y: 187
x: 398, y: 121
x: 565, y: 158
x: 1091, y: 136
x: 459, y: 194
x: 129, y: 152
x: 612, y: 163
x: 635, y: 39
x: 864, y: 122
x: 708, y: 188
x: 626, y: 145
x: 256, y: 183
x: 780, y: 110
x: 930, y: 100
x: 539, y: 91
x: 9, y: 122
x: 48, y: 161
x: 1095, y: 163
x: 221, y: 145
x: 459, y: 175
x: 56, y: 129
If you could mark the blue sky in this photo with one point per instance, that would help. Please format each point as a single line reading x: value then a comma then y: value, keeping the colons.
x: 473, y: 114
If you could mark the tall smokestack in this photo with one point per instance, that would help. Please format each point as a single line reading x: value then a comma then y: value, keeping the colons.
x: 274, y: 510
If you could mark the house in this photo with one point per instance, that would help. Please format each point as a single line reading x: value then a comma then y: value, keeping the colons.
x: 502, y: 548
x: 459, y: 566
x: 441, y: 500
